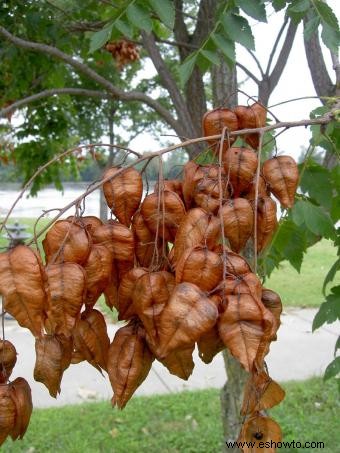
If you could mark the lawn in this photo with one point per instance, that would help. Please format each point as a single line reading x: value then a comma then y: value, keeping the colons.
x: 187, y: 422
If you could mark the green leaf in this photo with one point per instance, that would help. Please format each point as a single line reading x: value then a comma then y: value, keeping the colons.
x: 210, y: 56
x: 331, y: 274
x: 326, y: 14
x: 165, y: 10
x: 337, y: 345
x: 315, y: 219
x: 186, y: 68
x: 299, y: 6
x: 254, y: 8
x: 333, y: 369
x: 278, y: 4
x: 139, y: 17
x: 311, y: 27
x: 226, y: 46
x: 124, y: 27
x: 329, y: 311
x: 322, y: 192
x: 330, y: 37
x: 99, y: 38
x: 238, y: 30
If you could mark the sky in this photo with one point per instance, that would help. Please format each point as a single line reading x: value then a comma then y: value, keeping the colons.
x: 295, y: 82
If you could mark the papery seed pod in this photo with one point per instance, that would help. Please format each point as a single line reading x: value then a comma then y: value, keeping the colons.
x: 209, y: 344
x: 240, y: 166
x: 263, y: 190
x: 22, y: 398
x: 66, y: 242
x: 244, y: 284
x: 126, y: 309
x: 200, y: 266
x: 174, y: 185
x: 235, y: 263
x: 246, y: 327
x: 251, y: 117
x: 238, y: 222
x: 91, y: 339
x: 7, y: 412
x: 191, y: 174
x: 98, y: 269
x: 8, y: 359
x: 163, y: 214
x: 261, y: 393
x: 260, y: 429
x: 89, y: 222
x: 111, y: 290
x: 180, y: 362
x: 123, y: 193
x: 50, y: 363
x: 197, y: 228
x: 188, y: 314
x: 129, y: 362
x: 215, y: 120
x: 266, y: 222
x: 272, y: 301
x: 282, y: 175
x: 22, y: 285
x: 67, y: 289
x: 151, y: 294
x: 144, y: 240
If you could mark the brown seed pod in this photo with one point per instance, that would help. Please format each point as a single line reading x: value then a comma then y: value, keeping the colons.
x: 197, y: 228
x: 251, y: 117
x: 235, y: 263
x: 129, y: 362
x: 188, y: 314
x: 210, y: 344
x: 200, y: 266
x: 98, y: 269
x: 51, y: 362
x: 111, y: 292
x: 174, y: 185
x: 22, y: 398
x: 151, y: 294
x: 123, y: 193
x: 240, y: 166
x: 260, y: 429
x: 67, y: 289
x: 263, y: 190
x: 89, y: 222
x: 7, y: 412
x: 238, y: 222
x: 91, y: 339
x: 282, y: 175
x: 272, y: 301
x: 246, y: 328
x: 180, y: 362
x: 266, y: 222
x: 144, y: 240
x: 8, y: 359
x: 261, y: 393
x: 191, y: 175
x: 126, y: 309
x: 163, y: 213
x: 215, y: 120
x: 22, y: 280
x: 244, y: 284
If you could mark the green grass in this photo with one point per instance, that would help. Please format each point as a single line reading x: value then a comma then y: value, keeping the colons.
x: 304, y: 289
x: 188, y: 422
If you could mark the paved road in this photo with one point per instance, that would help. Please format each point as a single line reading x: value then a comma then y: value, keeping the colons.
x: 297, y: 354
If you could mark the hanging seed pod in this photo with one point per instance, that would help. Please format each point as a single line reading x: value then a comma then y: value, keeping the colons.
x: 197, y: 228
x: 188, y: 314
x: 272, y: 301
x: 263, y: 190
x: 7, y: 412
x: 251, y: 117
x: 66, y: 242
x: 8, y: 359
x: 240, y: 166
x: 98, y: 269
x: 243, y: 327
x: 215, y: 120
x: 151, y: 294
x: 200, y: 266
x: 144, y: 240
x: 261, y: 393
x: 51, y: 362
x: 266, y: 222
x: 260, y: 429
x: 238, y: 222
x: 67, y: 289
x: 126, y: 309
x: 180, y: 362
x: 89, y: 222
x: 210, y: 344
x: 235, y: 264
x: 163, y: 213
x: 111, y: 290
x: 123, y: 193
x: 191, y: 175
x: 22, y: 280
x: 244, y: 284
x: 91, y: 339
x: 173, y: 185
x: 22, y: 398
x: 129, y: 363
x: 282, y: 176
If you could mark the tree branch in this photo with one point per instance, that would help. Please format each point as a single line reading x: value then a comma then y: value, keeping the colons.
x: 83, y: 68
x: 249, y: 74
x: 276, y: 43
x: 53, y: 91
x: 256, y: 61
x: 336, y: 67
